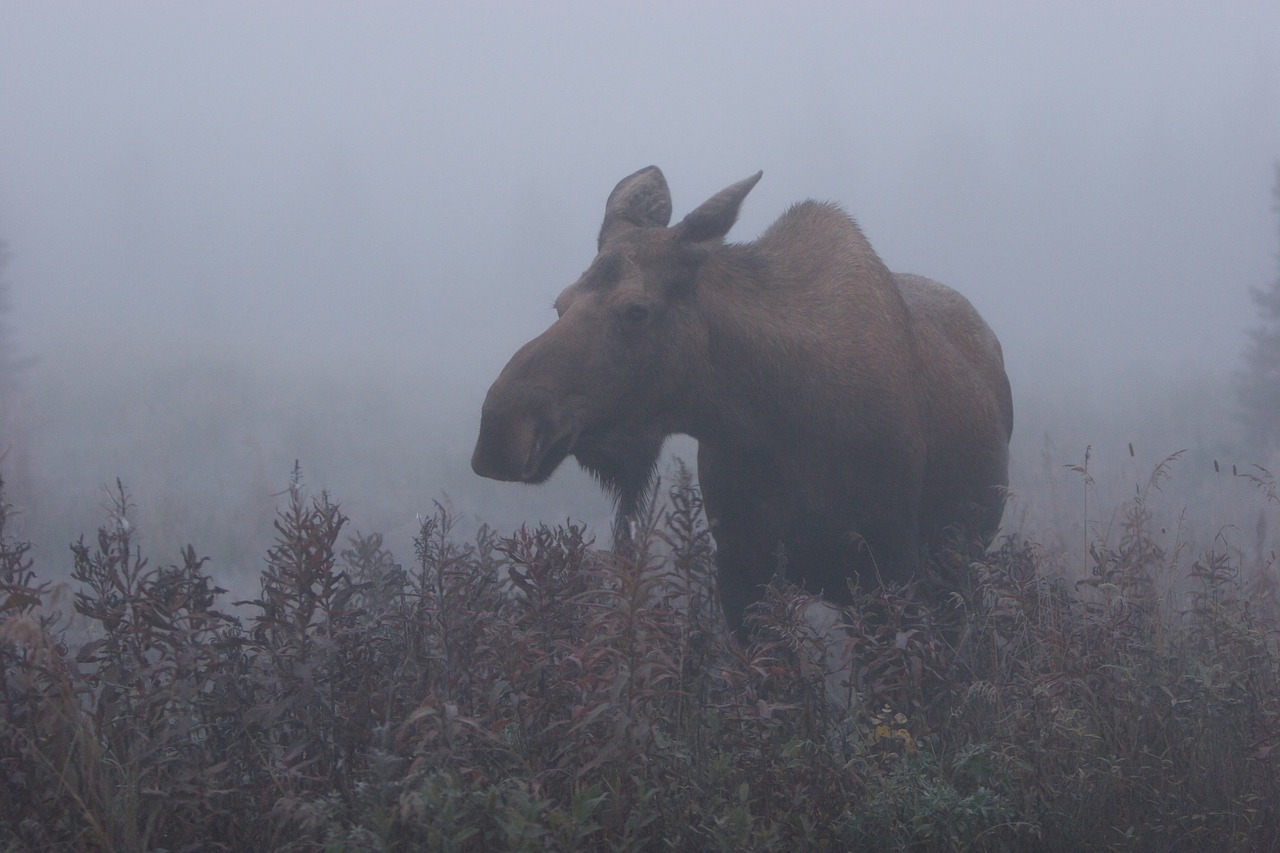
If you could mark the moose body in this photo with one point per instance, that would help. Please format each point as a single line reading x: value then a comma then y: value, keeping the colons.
x: 847, y: 419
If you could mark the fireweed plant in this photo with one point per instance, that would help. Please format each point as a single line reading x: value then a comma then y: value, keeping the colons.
x: 537, y: 691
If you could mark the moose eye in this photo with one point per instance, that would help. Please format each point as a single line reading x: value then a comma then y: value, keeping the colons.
x: 634, y: 315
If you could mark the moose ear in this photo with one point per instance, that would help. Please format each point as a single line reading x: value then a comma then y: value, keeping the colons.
x: 714, y: 217
x: 639, y: 200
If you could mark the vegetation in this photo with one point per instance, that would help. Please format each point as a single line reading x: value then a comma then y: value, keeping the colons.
x: 13, y: 432
x: 1258, y: 383
x: 532, y: 692
x: 10, y: 365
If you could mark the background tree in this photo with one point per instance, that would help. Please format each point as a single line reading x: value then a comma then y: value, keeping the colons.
x: 8, y: 362
x: 14, y: 459
x: 1258, y: 382
x: 11, y: 365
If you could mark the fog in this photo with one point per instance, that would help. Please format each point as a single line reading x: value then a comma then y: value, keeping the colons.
x: 242, y: 234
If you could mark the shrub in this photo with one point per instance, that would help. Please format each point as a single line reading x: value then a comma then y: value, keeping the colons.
x: 533, y: 692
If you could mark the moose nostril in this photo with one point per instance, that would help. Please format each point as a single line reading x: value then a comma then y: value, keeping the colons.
x: 498, y: 453
x: 636, y: 314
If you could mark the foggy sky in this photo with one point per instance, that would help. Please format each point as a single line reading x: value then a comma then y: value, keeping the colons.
x: 396, y: 192
x: 416, y: 184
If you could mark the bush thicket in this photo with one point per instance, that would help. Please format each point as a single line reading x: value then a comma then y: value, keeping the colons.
x: 534, y: 692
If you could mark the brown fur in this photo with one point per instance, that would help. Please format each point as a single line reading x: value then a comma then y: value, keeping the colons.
x: 845, y: 417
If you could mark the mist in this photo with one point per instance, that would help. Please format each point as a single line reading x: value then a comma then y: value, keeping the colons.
x: 242, y: 235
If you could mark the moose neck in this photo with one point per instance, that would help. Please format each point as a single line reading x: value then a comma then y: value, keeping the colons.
x: 743, y: 387
x: 784, y: 330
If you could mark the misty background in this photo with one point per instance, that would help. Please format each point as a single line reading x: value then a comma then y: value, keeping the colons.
x: 242, y: 234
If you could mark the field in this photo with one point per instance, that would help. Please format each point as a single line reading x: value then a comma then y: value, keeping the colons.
x: 259, y: 269
x: 530, y: 690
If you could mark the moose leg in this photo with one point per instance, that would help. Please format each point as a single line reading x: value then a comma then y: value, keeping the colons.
x: 745, y: 565
x: 746, y: 533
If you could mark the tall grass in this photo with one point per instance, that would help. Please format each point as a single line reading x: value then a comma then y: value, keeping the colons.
x: 537, y: 692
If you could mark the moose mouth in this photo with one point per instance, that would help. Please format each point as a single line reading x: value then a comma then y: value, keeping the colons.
x: 550, y: 447
x: 530, y: 451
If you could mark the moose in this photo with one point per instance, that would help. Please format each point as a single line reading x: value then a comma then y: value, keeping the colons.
x: 848, y: 420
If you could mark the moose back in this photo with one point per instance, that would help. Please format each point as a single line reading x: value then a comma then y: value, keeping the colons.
x: 848, y: 419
